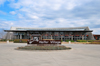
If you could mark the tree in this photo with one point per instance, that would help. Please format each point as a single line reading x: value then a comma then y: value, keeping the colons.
x: 2, y: 33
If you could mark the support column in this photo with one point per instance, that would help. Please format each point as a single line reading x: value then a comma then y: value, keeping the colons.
x: 68, y: 36
x: 41, y: 37
x: 85, y: 37
x: 72, y: 37
x: 51, y: 36
x: 17, y: 36
x: 46, y: 37
x: 30, y: 36
x: 61, y: 37
x: 20, y: 36
x: 82, y: 37
x: 10, y: 36
x: 14, y: 37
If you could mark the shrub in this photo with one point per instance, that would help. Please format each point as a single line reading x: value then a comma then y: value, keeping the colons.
x: 85, y: 40
x: 20, y: 40
x: 81, y: 40
x: 44, y: 48
x: 11, y: 40
x: 69, y: 40
x: 90, y: 40
x: 3, y: 40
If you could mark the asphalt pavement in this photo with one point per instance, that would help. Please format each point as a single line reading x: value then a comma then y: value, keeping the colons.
x: 79, y: 55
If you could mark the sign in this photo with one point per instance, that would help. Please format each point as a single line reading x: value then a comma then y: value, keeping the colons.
x: 35, y: 40
x: 44, y: 42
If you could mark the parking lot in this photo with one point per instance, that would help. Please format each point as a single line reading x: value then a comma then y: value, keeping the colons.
x: 79, y: 55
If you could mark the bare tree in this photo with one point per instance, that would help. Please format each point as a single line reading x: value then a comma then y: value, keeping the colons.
x: 2, y: 33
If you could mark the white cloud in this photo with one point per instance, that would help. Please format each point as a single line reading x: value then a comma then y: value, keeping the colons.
x: 35, y: 17
x: 11, y: 23
x: 13, y: 12
x: 1, y: 12
x: 2, y: 1
x: 56, y: 7
x: 54, y: 13
x: 20, y: 16
x: 96, y: 30
x: 6, y: 24
x: 53, y: 4
x: 32, y: 16
x: 70, y: 6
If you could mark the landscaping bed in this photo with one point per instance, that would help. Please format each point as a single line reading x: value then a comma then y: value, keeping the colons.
x: 20, y: 40
x: 4, y: 40
x: 85, y: 40
x: 43, y: 48
x: 96, y: 42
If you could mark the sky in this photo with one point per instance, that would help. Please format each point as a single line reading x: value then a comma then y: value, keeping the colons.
x: 50, y: 14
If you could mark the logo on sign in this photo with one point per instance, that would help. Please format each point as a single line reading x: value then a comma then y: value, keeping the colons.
x: 34, y: 39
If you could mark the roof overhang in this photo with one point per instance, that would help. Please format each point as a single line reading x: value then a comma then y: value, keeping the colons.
x: 49, y: 30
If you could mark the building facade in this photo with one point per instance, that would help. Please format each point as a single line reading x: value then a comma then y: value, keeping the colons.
x: 76, y: 33
x: 96, y: 36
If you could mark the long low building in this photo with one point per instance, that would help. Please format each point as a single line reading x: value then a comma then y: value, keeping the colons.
x: 75, y: 33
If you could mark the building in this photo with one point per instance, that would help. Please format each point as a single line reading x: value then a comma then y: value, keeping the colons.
x: 75, y: 33
x: 96, y: 36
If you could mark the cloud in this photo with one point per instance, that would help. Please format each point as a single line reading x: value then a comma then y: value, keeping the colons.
x: 5, y: 24
x: 1, y: 12
x: 2, y: 2
x: 13, y: 12
x: 52, y: 4
x: 20, y: 16
x: 96, y: 30
x: 55, y: 13
x: 32, y: 16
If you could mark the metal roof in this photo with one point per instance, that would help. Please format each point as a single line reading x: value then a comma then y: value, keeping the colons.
x: 26, y: 29
x: 48, y: 30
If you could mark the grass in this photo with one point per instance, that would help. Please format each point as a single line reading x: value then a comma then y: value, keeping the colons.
x: 44, y: 48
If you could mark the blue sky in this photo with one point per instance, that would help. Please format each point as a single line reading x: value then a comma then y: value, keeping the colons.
x: 50, y: 13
